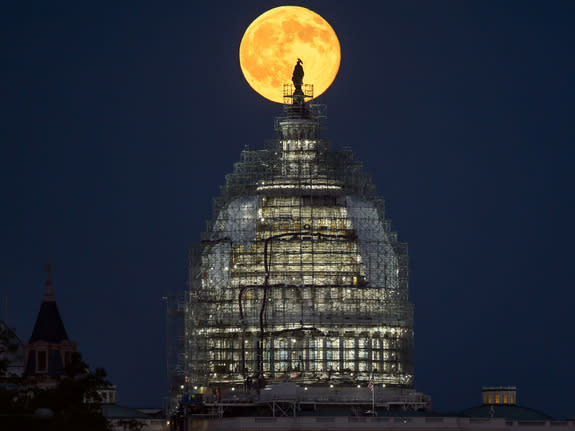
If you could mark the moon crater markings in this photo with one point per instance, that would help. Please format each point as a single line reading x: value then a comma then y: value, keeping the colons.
x: 276, y: 39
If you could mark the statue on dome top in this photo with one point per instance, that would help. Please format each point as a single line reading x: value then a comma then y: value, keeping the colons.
x: 297, y: 78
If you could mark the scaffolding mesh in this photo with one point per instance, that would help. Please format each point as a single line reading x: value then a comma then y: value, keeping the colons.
x: 298, y: 276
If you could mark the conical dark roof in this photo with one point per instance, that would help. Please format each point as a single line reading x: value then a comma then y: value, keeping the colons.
x: 49, y: 326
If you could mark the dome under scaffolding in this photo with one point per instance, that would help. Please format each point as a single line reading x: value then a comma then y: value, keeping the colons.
x: 298, y: 277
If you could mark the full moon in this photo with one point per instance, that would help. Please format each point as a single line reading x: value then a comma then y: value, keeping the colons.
x: 276, y: 39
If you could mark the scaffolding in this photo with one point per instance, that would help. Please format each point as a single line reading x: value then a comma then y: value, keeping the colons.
x: 298, y: 277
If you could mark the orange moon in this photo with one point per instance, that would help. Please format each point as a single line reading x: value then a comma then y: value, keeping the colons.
x: 276, y: 39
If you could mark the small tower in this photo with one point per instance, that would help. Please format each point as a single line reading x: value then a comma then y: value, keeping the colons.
x: 499, y: 395
x: 49, y: 349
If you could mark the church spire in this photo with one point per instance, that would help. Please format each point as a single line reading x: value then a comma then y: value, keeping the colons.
x: 48, y: 294
x: 49, y: 326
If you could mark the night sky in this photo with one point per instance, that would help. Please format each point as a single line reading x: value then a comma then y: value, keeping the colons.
x: 119, y: 124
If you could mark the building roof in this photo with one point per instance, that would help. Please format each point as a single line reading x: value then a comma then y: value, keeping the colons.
x: 14, y: 355
x: 114, y: 411
x: 509, y: 412
x: 49, y: 326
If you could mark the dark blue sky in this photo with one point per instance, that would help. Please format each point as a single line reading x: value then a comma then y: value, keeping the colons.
x: 120, y: 123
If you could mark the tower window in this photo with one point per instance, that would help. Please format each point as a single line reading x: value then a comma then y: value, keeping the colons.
x: 41, y: 362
